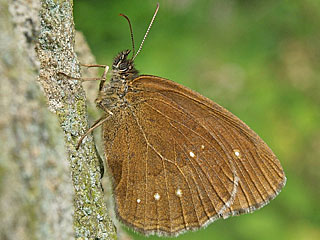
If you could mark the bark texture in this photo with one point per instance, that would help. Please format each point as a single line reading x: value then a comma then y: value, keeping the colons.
x: 35, y: 184
x: 66, y: 99
x: 36, y: 194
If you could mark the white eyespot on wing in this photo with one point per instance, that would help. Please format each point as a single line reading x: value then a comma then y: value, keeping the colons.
x: 156, y: 196
x: 237, y: 153
x: 179, y: 192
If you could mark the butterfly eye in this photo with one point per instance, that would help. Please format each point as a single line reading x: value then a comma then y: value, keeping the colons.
x: 123, y: 67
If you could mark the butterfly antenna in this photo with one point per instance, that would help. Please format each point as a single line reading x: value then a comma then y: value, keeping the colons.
x: 145, y: 36
x: 131, y: 32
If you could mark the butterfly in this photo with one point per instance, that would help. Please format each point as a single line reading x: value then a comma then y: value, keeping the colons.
x: 178, y: 161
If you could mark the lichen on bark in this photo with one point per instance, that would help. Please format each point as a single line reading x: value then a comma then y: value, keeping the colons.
x: 66, y: 99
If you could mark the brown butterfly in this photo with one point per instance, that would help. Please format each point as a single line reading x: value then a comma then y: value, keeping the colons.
x: 178, y: 160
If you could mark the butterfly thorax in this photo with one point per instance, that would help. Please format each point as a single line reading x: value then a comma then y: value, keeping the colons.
x: 113, y: 93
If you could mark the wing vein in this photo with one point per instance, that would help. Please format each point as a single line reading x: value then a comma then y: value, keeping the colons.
x: 143, y: 133
x: 209, y: 143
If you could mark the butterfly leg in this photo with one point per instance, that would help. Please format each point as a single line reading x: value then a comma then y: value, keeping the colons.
x: 97, y: 123
x: 104, y: 75
x: 102, y: 78
x: 94, y: 65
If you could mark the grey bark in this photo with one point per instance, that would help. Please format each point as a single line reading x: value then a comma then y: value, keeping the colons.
x: 35, y: 184
x: 37, y: 150
x: 66, y: 99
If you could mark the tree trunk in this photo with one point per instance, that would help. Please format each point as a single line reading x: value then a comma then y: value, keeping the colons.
x: 37, y: 154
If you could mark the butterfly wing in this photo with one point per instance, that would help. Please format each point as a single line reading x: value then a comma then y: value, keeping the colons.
x: 180, y: 161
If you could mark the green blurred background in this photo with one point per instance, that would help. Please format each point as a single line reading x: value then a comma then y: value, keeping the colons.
x: 260, y: 60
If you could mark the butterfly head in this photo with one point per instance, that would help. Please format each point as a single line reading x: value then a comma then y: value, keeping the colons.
x: 122, y: 67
